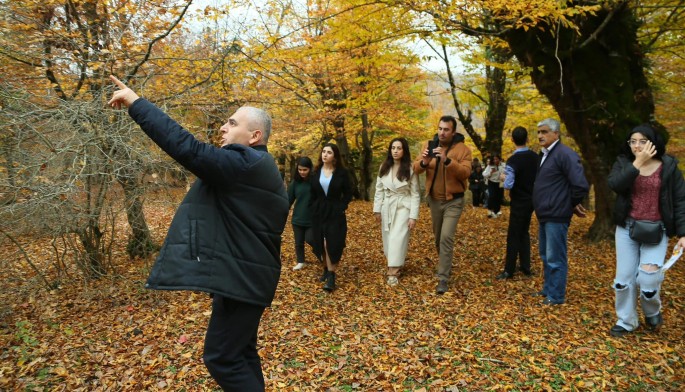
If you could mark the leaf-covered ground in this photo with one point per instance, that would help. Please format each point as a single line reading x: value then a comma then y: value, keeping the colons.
x: 484, y: 334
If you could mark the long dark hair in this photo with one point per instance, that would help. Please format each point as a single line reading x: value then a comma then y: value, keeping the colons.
x: 404, y: 172
x: 651, y: 134
x: 336, y: 154
x: 304, y: 162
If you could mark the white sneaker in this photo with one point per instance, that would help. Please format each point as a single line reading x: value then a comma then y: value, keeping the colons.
x: 392, y: 280
x: 499, y: 213
x: 298, y: 266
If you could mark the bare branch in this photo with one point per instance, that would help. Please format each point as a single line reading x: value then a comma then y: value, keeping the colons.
x: 601, y: 27
x: 666, y: 26
x: 28, y: 259
x: 152, y: 43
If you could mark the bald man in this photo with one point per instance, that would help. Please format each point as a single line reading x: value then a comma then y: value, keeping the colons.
x: 225, y: 236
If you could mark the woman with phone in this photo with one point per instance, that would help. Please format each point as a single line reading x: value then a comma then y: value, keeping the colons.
x: 493, y: 173
x: 650, y: 208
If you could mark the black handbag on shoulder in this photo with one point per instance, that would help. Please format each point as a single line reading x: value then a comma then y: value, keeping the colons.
x: 646, y: 232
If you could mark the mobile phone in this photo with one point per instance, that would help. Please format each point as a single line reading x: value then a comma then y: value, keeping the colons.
x: 434, y: 143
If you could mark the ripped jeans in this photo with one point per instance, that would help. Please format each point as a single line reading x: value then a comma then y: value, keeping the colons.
x: 637, y: 265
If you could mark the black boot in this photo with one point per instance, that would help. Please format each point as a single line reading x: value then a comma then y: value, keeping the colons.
x: 330, y: 282
x: 325, y: 275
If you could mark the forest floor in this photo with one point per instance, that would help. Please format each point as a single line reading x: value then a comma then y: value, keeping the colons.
x: 112, y: 334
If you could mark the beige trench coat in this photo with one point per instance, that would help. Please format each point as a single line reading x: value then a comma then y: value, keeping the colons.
x: 397, y: 202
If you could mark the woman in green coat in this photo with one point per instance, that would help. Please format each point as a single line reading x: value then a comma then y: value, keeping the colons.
x: 299, y: 192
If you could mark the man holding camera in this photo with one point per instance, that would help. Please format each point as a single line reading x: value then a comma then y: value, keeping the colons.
x: 447, y: 163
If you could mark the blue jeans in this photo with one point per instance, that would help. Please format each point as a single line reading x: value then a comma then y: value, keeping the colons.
x: 630, y: 255
x: 552, y: 237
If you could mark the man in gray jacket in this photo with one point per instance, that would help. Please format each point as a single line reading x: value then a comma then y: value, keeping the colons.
x: 225, y: 236
x: 560, y: 187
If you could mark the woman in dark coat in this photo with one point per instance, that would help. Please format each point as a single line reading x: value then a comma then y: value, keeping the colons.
x: 299, y: 192
x: 331, y: 193
x: 476, y: 184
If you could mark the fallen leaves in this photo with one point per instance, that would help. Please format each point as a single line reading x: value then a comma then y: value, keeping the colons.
x: 483, y: 334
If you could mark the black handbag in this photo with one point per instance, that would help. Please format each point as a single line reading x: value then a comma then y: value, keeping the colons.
x: 646, y: 232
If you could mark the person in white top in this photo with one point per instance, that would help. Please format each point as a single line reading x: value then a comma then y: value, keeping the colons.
x: 493, y: 173
x: 396, y: 204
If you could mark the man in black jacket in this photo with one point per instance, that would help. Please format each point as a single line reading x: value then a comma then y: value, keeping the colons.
x: 225, y: 236
x: 519, y: 179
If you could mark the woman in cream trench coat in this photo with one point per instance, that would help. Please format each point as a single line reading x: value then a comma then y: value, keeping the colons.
x: 396, y: 204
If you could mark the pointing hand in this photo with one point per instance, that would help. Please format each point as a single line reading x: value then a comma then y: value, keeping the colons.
x: 122, y: 97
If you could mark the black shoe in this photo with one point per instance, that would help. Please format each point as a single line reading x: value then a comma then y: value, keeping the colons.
x: 618, y: 331
x: 324, y: 276
x: 527, y: 272
x: 654, y: 322
x: 504, y: 275
x: 330, y: 282
x: 442, y: 287
x: 539, y: 294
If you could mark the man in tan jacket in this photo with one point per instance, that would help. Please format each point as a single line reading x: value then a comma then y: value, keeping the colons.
x: 447, y: 167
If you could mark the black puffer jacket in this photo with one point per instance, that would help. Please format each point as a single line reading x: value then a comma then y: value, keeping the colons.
x: 225, y: 237
x: 671, y: 195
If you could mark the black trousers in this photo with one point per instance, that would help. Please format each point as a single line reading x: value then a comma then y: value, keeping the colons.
x: 302, y: 234
x: 231, y: 345
x: 495, y: 195
x: 518, y: 236
x: 477, y: 196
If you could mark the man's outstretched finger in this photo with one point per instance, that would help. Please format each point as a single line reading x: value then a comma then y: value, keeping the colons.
x: 118, y: 82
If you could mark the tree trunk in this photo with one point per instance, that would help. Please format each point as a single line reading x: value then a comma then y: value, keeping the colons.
x: 7, y: 151
x: 464, y: 118
x: 344, y: 147
x: 90, y: 234
x: 140, y: 242
x: 291, y: 170
x: 596, y: 82
x: 91, y: 240
x: 498, y: 101
x: 365, y: 175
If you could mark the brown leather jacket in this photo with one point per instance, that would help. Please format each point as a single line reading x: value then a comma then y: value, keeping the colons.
x: 456, y: 173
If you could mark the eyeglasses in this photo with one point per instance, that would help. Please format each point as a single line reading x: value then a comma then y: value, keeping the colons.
x: 635, y: 142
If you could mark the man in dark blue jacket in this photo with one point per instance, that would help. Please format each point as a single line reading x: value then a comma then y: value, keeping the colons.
x: 560, y: 187
x: 225, y: 236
